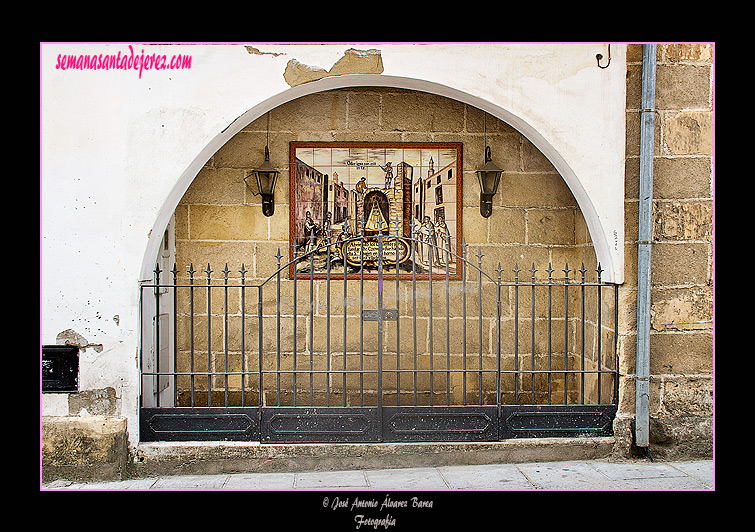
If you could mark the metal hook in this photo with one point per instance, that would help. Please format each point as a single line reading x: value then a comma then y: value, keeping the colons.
x: 600, y: 56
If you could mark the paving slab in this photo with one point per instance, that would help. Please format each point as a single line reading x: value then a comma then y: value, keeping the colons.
x: 331, y: 480
x: 486, y: 477
x: 566, y: 475
x: 627, y: 471
x: 189, y: 482
x: 701, y: 470
x: 420, y: 478
x: 260, y: 481
x: 130, y: 484
x: 660, y: 483
x: 604, y: 475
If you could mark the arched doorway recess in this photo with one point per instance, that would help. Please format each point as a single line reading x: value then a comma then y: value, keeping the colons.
x: 612, y: 270
x: 503, y: 391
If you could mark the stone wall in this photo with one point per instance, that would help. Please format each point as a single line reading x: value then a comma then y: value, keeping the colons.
x: 535, y: 220
x: 681, y: 341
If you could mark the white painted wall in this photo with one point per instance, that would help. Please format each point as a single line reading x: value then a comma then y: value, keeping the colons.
x: 119, y: 148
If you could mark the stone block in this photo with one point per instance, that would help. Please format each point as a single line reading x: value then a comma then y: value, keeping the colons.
x: 688, y: 133
x: 219, y: 186
x: 217, y: 255
x: 683, y: 86
x: 680, y: 264
x: 417, y: 111
x: 536, y: 190
x: 682, y: 309
x: 551, y: 226
x: 687, y: 396
x: 506, y: 225
x: 683, y: 221
x: 244, y: 150
x: 227, y: 222
x: 84, y: 448
x: 689, y: 52
x: 685, y: 353
x: 697, y: 182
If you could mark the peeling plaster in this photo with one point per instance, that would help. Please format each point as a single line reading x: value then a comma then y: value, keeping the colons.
x: 690, y: 311
x: 353, y: 62
x: 254, y: 51
x: 102, y: 402
x: 71, y: 337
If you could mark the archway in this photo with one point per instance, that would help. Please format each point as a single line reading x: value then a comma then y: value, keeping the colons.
x: 599, y: 234
x: 234, y: 368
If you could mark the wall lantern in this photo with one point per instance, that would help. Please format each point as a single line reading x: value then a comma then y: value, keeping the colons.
x: 489, y: 176
x: 266, y: 177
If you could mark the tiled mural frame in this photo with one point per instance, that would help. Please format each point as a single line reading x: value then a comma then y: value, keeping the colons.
x: 356, y: 187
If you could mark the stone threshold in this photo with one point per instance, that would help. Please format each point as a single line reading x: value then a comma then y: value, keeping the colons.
x: 208, y: 458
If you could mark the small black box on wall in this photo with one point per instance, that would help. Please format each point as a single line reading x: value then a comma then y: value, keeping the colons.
x: 60, y: 368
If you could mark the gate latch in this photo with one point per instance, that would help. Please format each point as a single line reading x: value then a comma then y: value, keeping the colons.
x: 389, y: 314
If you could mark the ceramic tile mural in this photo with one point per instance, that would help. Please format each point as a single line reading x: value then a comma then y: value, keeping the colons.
x: 342, y: 191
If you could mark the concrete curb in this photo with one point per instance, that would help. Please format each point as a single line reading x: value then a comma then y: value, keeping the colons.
x: 200, y: 458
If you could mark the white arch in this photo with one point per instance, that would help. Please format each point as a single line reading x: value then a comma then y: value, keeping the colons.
x: 591, y: 216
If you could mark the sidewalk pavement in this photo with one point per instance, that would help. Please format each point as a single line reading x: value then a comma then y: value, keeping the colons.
x: 570, y: 475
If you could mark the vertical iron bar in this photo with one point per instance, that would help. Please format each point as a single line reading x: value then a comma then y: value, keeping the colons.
x: 582, y: 290
x: 243, y: 336
x: 175, y: 343
x: 294, y: 324
x: 141, y: 347
x: 600, y: 330
x: 156, y: 378
x: 498, y: 347
x: 209, y: 334
x: 566, y: 334
x: 550, y: 327
x: 448, y: 326
x: 260, y: 400
x: 278, y: 332
x: 532, y: 354
x: 225, y: 329
x: 414, y: 307
x: 191, y: 329
x: 380, y: 318
x: 311, y: 312
x: 464, y: 317
x: 516, y: 333
x: 345, y: 277
x: 432, y: 249
x: 361, y: 314
x: 479, y: 321
x: 327, y: 326
x: 398, y: 323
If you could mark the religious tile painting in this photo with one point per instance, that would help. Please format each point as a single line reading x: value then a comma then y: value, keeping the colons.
x: 409, y: 193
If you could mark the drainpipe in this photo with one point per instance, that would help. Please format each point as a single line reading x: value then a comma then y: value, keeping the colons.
x: 642, y: 382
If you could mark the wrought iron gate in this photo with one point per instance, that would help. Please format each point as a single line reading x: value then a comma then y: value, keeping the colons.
x: 358, y: 357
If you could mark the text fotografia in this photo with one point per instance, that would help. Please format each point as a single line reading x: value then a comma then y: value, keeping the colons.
x: 123, y: 61
x: 357, y: 505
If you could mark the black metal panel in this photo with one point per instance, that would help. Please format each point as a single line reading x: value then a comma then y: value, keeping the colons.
x: 60, y: 368
x: 440, y: 423
x: 542, y: 421
x: 320, y: 424
x: 199, y: 424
